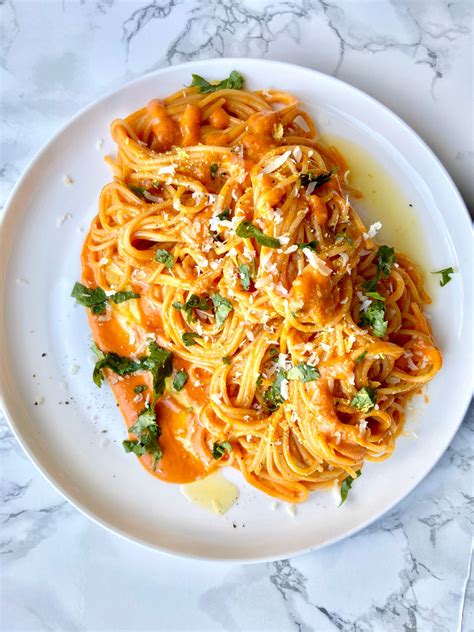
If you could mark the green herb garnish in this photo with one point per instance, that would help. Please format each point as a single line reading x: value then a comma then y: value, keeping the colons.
x: 303, y: 372
x: 365, y: 399
x: 214, y: 168
x: 312, y: 245
x: 343, y: 235
x: 273, y: 396
x: 163, y: 256
x: 247, y: 230
x: 120, y: 297
x: 318, y: 180
x: 361, y: 357
x: 244, y: 275
x: 226, y: 360
x: 96, y: 299
x: 445, y: 275
x: 235, y: 81
x: 189, y: 338
x: 180, y: 380
x: 140, y: 388
x: 375, y: 295
x: 139, y: 191
x: 219, y: 449
x: 194, y: 302
x: 374, y: 315
x: 273, y: 352
x: 385, y: 260
x: 346, y: 486
x: 225, y: 215
x: 148, y: 432
x: 222, y: 308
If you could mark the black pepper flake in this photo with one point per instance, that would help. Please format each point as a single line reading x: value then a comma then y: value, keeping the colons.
x: 67, y: 403
x: 411, y: 205
x: 234, y: 525
x: 43, y: 355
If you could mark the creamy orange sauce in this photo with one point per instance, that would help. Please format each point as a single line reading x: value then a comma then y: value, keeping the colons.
x: 164, y: 128
x: 191, y: 125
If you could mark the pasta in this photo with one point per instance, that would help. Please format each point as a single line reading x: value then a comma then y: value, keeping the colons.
x: 242, y: 312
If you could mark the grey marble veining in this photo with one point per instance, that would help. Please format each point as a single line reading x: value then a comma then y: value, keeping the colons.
x: 411, y: 570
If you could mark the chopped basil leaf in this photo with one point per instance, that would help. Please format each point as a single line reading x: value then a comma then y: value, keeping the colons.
x: 259, y: 381
x: 374, y: 315
x: 219, y: 449
x: 361, y: 357
x: 273, y: 396
x: 214, y: 168
x: 180, y: 380
x: 140, y: 388
x: 375, y: 295
x: 225, y: 215
x: 222, y: 308
x: 445, y: 275
x: 226, y: 360
x: 148, y: 432
x: 194, y: 302
x: 346, y: 486
x: 118, y: 364
x: 365, y: 399
x: 234, y: 81
x: 303, y: 372
x: 244, y: 275
x: 137, y: 190
x: 120, y: 297
x: 94, y: 298
x: 345, y: 236
x: 163, y: 256
x: 247, y: 230
x: 189, y: 339
x: 312, y: 245
x: 385, y: 260
x: 273, y: 352
x: 318, y: 180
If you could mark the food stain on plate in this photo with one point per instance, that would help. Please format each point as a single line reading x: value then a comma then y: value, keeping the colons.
x: 213, y: 493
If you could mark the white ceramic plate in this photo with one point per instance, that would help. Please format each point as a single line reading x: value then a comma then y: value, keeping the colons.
x: 63, y: 434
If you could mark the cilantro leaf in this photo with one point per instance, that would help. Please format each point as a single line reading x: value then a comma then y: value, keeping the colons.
x: 244, y: 275
x: 163, y: 256
x: 189, y: 338
x: 374, y: 315
x: 194, y: 302
x: 219, y: 449
x: 93, y: 297
x: 225, y: 215
x: 139, y: 191
x: 317, y: 180
x: 312, y: 245
x: 385, y: 260
x: 343, y: 235
x: 346, y: 486
x: 247, y: 230
x: 445, y: 275
x: 361, y: 357
x: 273, y: 396
x: 180, y: 380
x: 234, y: 81
x: 375, y: 295
x: 226, y: 360
x: 120, y: 297
x: 365, y: 399
x: 214, y: 168
x: 140, y: 388
x: 222, y: 308
x: 303, y: 372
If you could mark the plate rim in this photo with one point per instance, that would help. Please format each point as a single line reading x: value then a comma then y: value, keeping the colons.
x: 223, y: 61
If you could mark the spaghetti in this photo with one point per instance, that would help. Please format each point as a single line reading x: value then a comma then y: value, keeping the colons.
x: 247, y: 317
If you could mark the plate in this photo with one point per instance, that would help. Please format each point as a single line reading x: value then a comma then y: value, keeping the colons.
x: 73, y: 432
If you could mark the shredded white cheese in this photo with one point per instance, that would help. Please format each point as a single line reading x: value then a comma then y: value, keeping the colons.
x: 276, y: 163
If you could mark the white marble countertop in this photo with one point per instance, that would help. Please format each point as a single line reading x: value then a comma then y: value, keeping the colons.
x: 408, y: 571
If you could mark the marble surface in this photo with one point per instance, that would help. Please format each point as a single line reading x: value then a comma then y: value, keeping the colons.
x: 411, y: 570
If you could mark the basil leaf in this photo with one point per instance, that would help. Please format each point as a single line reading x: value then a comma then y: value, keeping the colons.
x: 226, y: 360
x: 180, y: 380
x: 120, y: 297
x: 273, y: 396
x: 346, y: 486
x: 259, y: 381
x: 225, y: 215
x: 303, y: 372
x: 361, y: 357
x: 163, y: 256
x: 219, y: 449
x: 374, y: 315
x: 189, y: 339
x: 214, y: 168
x: 148, y: 432
x: 235, y: 81
x: 194, y: 302
x: 247, y: 230
x: 140, y: 388
x: 365, y: 399
x: 118, y: 364
x: 139, y: 191
x: 222, y: 308
x: 312, y: 245
x: 94, y: 298
x: 445, y: 275
x: 273, y: 352
x: 159, y: 363
x: 318, y: 180
x: 244, y: 275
